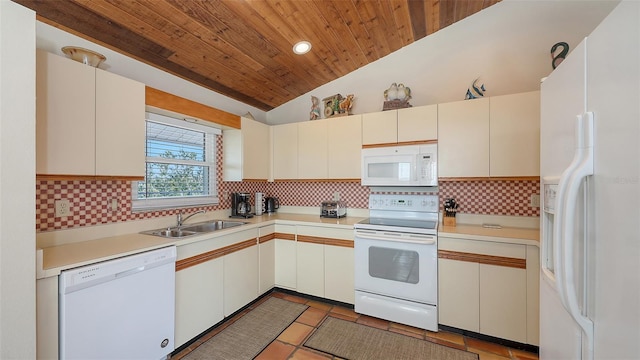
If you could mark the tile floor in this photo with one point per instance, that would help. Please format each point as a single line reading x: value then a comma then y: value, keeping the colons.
x: 289, y: 344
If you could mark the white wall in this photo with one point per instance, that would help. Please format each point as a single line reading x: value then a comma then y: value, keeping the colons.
x: 507, y: 45
x: 17, y: 182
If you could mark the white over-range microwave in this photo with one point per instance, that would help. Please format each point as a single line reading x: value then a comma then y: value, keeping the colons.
x: 404, y: 165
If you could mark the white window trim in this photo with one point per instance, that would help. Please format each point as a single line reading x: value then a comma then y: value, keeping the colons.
x: 167, y: 203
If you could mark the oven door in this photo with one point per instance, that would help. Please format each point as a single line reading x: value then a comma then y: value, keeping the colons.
x: 399, y: 265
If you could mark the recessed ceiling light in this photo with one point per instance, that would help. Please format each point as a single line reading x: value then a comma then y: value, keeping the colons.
x: 302, y: 47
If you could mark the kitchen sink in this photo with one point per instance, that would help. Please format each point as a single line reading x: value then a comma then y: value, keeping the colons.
x: 212, y: 225
x: 194, y: 229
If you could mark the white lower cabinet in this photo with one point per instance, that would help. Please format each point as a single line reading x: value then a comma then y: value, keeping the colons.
x: 267, y: 258
x: 339, y: 273
x: 459, y: 294
x: 199, y: 299
x: 325, y: 262
x: 47, y: 318
x: 310, y: 268
x: 483, y: 287
x: 503, y: 302
x: 285, y: 256
x: 240, y: 278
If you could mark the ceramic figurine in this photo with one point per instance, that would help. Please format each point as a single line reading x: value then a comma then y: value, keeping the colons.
x: 315, y: 108
x: 346, y: 104
x: 557, y: 59
x: 475, y: 91
x: 404, y: 92
x: 391, y: 93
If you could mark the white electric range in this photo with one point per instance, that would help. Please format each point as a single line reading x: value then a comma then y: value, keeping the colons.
x: 396, y: 260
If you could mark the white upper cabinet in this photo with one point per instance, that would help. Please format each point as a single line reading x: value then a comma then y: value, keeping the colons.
x: 65, y: 116
x: 88, y: 122
x: 256, y: 150
x: 344, y: 144
x: 120, y: 126
x: 515, y: 134
x: 463, y: 138
x: 312, y: 149
x: 418, y: 123
x: 246, y: 151
x: 285, y: 151
x: 490, y: 137
x: 400, y: 126
x: 318, y: 149
x: 380, y: 127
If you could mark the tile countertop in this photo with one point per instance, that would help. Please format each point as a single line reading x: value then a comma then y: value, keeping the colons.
x: 524, y: 236
x: 51, y: 260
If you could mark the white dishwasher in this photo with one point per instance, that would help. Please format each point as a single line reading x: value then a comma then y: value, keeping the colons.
x: 119, y: 309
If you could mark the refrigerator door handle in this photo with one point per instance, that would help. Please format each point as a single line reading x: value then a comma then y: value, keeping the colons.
x: 582, y: 171
x: 560, y: 223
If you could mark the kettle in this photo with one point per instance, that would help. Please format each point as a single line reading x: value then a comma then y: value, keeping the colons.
x: 271, y: 204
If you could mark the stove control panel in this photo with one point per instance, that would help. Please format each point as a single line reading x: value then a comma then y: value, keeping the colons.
x: 402, y: 202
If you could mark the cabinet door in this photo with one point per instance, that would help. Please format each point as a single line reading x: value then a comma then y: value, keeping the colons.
x: 120, y: 125
x: 312, y: 149
x: 458, y: 294
x: 339, y: 273
x: 267, y: 250
x: 65, y: 116
x: 380, y: 127
x: 285, y: 256
x: 310, y: 268
x: 255, y: 150
x: 533, y: 295
x: 515, y: 134
x: 463, y: 138
x: 199, y: 299
x: 344, y: 141
x: 47, y: 318
x: 418, y: 123
x: 240, y: 279
x: 285, y: 151
x: 503, y: 302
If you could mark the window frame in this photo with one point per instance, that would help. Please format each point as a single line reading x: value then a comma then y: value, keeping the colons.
x: 140, y: 205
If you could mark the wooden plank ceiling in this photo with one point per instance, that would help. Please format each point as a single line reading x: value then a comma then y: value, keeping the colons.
x: 242, y: 48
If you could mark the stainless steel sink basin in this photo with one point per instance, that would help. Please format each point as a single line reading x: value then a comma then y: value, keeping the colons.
x: 194, y: 229
x: 171, y: 233
x: 212, y: 225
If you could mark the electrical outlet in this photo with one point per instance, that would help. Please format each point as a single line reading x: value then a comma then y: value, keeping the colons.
x: 114, y: 204
x: 63, y: 208
x: 336, y: 196
x: 535, y: 200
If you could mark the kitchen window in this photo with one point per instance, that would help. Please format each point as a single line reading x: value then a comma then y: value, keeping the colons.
x: 180, y: 165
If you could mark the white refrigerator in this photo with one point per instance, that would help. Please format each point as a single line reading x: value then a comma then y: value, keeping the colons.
x: 590, y: 175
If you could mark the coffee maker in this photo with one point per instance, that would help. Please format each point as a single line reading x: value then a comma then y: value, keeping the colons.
x: 240, y: 205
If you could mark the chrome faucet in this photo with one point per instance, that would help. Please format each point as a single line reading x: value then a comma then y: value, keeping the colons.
x: 181, y: 220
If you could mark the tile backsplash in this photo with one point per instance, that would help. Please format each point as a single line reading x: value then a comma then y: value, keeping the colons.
x: 90, y: 201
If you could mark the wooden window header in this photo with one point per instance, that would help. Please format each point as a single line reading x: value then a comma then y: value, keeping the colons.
x: 162, y: 100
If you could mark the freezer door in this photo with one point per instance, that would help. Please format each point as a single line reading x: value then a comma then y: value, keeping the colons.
x: 563, y: 98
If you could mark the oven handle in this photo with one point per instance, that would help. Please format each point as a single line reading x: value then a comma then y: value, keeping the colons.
x: 372, y: 235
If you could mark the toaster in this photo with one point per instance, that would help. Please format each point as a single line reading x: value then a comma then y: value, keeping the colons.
x: 333, y: 209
